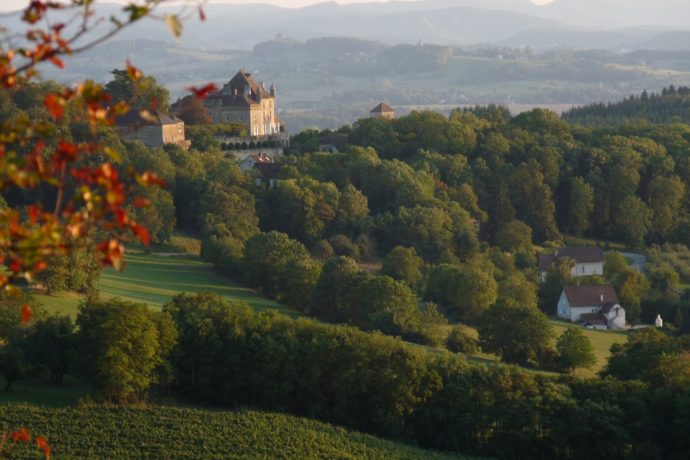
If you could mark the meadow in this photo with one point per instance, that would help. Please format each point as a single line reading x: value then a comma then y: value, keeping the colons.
x: 155, y: 279
x: 175, y: 432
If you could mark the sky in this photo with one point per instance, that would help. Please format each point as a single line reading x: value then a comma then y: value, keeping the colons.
x: 9, y: 5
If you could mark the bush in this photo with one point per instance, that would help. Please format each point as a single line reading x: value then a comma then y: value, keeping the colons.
x: 461, y: 340
x: 343, y: 246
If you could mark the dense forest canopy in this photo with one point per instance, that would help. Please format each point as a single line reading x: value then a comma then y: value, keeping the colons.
x: 671, y: 105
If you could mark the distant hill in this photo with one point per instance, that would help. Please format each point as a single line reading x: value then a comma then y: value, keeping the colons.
x: 670, y: 106
x: 169, y: 432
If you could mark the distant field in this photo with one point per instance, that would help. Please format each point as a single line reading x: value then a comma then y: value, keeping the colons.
x: 172, y: 432
x: 601, y: 342
x: 154, y: 280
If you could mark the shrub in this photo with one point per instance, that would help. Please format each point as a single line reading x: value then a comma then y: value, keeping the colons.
x: 461, y: 340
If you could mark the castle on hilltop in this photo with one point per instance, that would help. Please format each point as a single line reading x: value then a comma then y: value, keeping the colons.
x: 243, y: 100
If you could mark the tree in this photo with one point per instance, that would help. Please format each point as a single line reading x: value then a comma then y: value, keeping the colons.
x: 159, y: 214
x: 50, y: 346
x: 666, y: 196
x: 428, y: 230
x: 517, y: 287
x: 267, y: 257
x: 533, y: 200
x: 381, y: 303
x: 664, y: 279
x: 558, y: 276
x: 119, y: 347
x: 144, y: 94
x: 631, y: 286
x: 466, y: 291
x: 581, y: 205
x: 575, y: 350
x: 514, y: 236
x: 192, y: 111
x: 632, y: 221
x: 404, y: 265
x: 615, y: 265
x: 518, y: 334
x: 331, y: 289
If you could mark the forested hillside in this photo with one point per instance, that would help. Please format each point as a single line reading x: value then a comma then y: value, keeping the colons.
x: 421, y: 229
x: 671, y: 105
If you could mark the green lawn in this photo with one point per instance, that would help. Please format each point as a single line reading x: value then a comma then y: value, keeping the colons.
x: 601, y: 342
x: 154, y: 280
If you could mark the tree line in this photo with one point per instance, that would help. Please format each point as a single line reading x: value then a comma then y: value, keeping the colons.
x: 204, y: 350
x: 671, y: 105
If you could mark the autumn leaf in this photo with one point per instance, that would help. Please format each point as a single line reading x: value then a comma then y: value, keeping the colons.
x: 134, y: 73
x: 54, y: 104
x: 174, y: 25
x: 21, y: 435
x: 201, y: 93
x: 27, y: 313
x: 57, y: 62
x: 42, y: 444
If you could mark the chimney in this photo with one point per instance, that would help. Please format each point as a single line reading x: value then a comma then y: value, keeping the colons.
x: 556, y: 253
x: 601, y: 296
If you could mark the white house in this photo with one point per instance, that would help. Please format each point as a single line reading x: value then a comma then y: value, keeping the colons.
x: 591, y: 305
x: 588, y: 261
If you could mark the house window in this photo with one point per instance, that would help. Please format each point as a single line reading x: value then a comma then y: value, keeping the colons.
x: 583, y: 269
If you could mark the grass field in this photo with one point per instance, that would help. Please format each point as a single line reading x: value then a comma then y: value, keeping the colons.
x: 173, y: 432
x: 154, y: 280
x: 601, y: 342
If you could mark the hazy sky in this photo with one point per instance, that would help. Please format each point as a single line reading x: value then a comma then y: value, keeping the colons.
x: 6, y: 5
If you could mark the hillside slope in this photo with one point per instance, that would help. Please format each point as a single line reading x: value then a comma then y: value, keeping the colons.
x: 168, y: 432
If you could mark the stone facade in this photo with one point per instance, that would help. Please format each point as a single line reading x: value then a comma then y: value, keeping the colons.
x: 154, y: 130
x: 243, y: 100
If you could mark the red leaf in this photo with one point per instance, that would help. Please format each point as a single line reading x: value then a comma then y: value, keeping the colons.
x: 142, y: 233
x: 54, y: 105
x: 33, y: 213
x: 21, y: 435
x: 201, y: 93
x: 140, y: 202
x: 148, y: 178
x: 27, y: 313
x: 42, y: 444
x: 202, y: 16
x: 133, y: 72
x: 57, y: 62
x: 16, y: 266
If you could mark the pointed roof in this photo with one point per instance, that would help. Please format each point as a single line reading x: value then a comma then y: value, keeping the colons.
x: 382, y: 108
x: 590, y: 295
